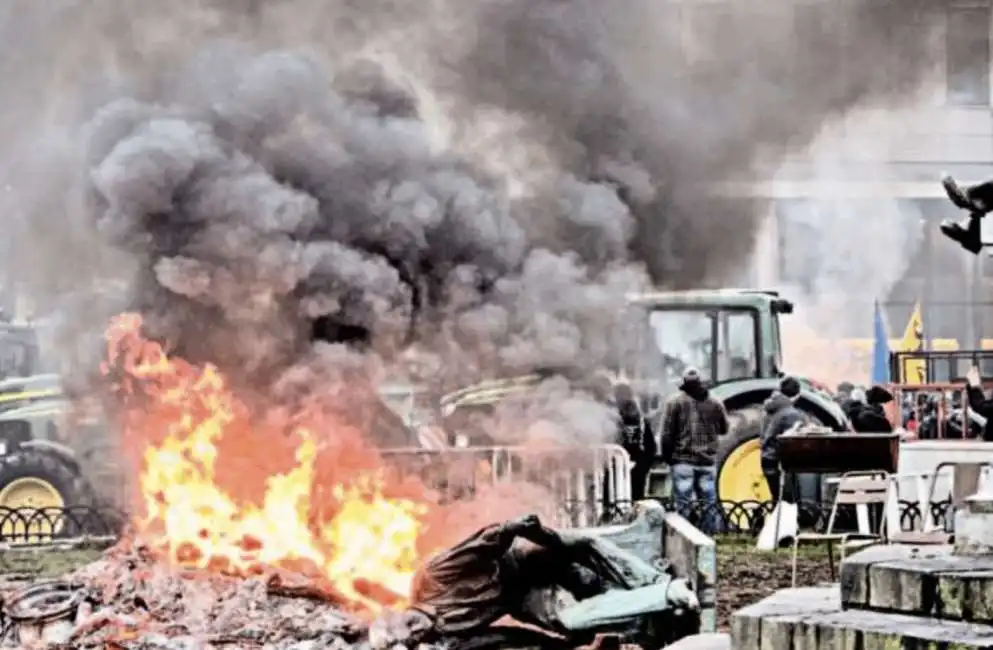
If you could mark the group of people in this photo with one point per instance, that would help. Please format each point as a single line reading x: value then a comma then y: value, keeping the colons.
x: 864, y: 408
x: 692, y: 423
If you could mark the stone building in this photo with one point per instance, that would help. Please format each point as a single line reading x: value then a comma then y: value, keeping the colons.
x: 857, y: 213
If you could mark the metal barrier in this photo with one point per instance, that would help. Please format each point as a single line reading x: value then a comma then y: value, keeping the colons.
x: 29, y: 526
x: 591, y: 485
x: 45, y: 525
x: 748, y: 517
x: 941, y: 401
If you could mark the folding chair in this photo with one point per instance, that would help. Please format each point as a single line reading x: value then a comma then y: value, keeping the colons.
x: 854, y: 488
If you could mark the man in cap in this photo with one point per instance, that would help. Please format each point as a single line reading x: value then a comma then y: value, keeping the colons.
x: 781, y: 416
x: 692, y: 423
x: 868, y: 414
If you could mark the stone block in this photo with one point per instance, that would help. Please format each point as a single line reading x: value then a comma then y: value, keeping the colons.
x: 812, y: 619
x: 710, y: 641
x: 694, y: 555
x: 926, y: 581
x: 854, y: 572
x: 974, y: 527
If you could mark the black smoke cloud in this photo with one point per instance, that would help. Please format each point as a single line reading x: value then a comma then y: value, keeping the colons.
x: 666, y: 99
x: 271, y: 206
x: 486, y: 179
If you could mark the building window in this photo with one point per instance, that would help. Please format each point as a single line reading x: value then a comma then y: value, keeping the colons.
x: 967, y: 42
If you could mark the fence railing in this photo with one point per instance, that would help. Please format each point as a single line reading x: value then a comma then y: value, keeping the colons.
x: 589, y: 485
x: 748, y: 517
x: 39, y: 526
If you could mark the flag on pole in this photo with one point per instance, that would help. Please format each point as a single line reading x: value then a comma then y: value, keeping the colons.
x: 880, y: 348
x: 913, y: 369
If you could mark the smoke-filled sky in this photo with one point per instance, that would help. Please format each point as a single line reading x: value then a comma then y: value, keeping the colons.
x: 485, y: 178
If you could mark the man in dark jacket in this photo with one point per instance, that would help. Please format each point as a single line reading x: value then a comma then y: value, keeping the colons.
x: 978, y: 401
x: 870, y: 417
x: 636, y: 436
x: 781, y: 416
x: 692, y: 423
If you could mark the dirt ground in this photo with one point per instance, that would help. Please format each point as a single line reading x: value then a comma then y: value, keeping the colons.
x: 746, y: 576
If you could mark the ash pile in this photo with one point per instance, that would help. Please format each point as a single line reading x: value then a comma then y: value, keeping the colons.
x: 566, y: 587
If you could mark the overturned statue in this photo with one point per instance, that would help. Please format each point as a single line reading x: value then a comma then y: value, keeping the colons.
x: 977, y: 200
x: 571, y: 584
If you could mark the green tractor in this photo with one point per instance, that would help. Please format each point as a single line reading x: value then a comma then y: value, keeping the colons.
x: 732, y: 336
x: 38, y: 470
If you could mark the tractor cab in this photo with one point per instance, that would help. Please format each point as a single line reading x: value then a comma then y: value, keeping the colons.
x: 727, y: 335
x: 19, y: 350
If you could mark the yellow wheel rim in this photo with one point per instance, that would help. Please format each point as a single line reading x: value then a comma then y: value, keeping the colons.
x: 741, y: 479
x: 33, y: 494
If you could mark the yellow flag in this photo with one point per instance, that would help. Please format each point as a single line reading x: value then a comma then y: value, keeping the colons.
x: 913, y: 370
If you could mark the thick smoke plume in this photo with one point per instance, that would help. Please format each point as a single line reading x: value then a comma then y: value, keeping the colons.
x: 482, y: 179
x: 847, y: 253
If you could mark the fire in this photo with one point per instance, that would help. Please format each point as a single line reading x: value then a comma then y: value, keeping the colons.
x: 222, y: 488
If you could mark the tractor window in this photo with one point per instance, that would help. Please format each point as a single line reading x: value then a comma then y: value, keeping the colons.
x: 776, y: 353
x: 736, y: 357
x: 687, y: 337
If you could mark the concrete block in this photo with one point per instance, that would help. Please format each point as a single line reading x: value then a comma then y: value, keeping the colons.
x: 854, y: 572
x: 756, y: 626
x: 812, y: 619
x: 694, y: 555
x: 926, y: 581
x: 974, y: 527
x: 710, y: 641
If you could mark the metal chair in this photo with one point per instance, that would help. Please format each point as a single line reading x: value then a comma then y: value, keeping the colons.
x: 854, y: 488
x: 965, y: 483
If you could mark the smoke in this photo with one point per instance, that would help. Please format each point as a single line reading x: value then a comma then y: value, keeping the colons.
x: 848, y: 252
x: 481, y: 180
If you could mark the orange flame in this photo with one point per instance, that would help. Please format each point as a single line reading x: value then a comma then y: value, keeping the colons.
x: 224, y: 489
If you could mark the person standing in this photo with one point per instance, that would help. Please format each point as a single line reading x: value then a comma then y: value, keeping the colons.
x: 781, y: 416
x: 692, y: 423
x: 978, y: 401
x: 636, y: 437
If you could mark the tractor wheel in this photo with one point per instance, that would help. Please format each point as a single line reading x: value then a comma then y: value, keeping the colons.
x: 739, y: 467
x: 739, y: 458
x: 37, y: 480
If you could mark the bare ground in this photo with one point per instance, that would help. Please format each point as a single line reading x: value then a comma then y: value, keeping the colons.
x: 746, y: 576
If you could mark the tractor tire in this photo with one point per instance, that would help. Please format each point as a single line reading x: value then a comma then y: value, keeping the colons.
x: 739, y: 468
x: 739, y: 472
x: 41, y: 481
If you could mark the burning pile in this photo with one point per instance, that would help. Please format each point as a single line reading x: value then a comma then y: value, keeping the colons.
x: 235, y: 540
x: 131, y: 599
x: 210, y: 500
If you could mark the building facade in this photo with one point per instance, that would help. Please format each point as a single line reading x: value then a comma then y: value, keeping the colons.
x: 882, y: 189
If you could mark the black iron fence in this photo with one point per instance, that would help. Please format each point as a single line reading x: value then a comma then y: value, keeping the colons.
x: 748, y: 517
x: 32, y: 525
x: 37, y: 525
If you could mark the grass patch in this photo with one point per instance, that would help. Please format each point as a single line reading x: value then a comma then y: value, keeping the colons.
x: 47, y: 563
x: 744, y: 545
x: 38, y: 561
